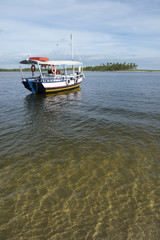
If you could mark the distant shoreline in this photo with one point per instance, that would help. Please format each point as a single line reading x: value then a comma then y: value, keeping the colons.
x: 28, y: 70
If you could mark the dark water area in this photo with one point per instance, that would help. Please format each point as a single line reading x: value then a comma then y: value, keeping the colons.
x: 83, y: 164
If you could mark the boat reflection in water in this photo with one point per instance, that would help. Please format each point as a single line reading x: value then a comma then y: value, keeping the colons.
x: 43, y: 108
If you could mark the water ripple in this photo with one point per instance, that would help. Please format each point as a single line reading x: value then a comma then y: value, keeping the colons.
x: 83, y: 164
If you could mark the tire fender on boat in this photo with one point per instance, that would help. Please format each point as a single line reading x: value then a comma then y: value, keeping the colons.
x: 33, y: 68
x: 75, y: 80
x: 68, y: 81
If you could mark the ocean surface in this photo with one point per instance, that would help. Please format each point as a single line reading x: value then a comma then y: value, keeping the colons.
x: 82, y: 164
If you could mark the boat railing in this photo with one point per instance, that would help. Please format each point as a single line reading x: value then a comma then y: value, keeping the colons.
x: 36, y: 79
x: 52, y: 78
x: 60, y: 77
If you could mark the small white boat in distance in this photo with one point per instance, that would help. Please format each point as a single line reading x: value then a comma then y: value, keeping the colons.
x: 54, y: 76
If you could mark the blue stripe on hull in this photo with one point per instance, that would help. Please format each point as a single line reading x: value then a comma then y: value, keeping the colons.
x: 37, y: 86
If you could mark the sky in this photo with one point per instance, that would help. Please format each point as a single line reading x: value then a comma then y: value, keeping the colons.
x: 103, y: 31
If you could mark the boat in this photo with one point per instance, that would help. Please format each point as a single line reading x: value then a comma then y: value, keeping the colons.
x: 54, y: 76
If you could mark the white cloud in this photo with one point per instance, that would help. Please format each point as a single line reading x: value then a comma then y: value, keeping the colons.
x: 101, y: 29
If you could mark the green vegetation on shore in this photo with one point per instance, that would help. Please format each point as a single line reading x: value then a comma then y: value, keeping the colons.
x: 8, y: 70
x: 13, y: 70
x: 113, y: 67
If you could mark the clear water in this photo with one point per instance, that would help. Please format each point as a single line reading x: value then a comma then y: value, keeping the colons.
x: 83, y: 164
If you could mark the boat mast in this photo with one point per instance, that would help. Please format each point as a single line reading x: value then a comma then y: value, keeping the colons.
x: 72, y: 51
x: 71, y: 46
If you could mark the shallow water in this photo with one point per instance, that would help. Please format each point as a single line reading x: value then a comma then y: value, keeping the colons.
x: 83, y: 164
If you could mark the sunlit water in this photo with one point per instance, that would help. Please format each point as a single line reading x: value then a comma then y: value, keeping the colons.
x: 83, y: 164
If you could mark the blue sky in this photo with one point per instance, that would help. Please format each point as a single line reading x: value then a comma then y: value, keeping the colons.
x: 103, y: 31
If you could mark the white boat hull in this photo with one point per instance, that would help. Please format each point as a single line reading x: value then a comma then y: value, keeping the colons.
x: 50, y: 86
